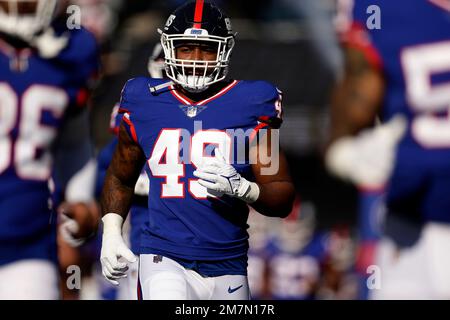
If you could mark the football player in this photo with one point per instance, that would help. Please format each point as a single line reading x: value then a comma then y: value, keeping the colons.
x: 295, y: 255
x: 397, y: 63
x: 194, y: 241
x: 260, y: 228
x: 45, y: 71
x: 128, y: 287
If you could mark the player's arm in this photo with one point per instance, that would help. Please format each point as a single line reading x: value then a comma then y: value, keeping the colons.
x: 121, y: 176
x: 276, y: 189
x: 272, y: 193
x: 117, y: 193
x: 357, y: 97
x: 354, y: 152
x: 74, y: 171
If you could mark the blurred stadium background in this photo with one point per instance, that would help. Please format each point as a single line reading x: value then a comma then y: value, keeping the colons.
x: 291, y: 43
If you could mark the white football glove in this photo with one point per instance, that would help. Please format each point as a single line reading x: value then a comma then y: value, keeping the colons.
x: 367, y: 159
x: 67, y: 228
x: 49, y: 44
x: 113, y: 249
x: 220, y: 178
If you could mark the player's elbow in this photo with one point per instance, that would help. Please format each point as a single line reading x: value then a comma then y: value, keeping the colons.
x: 281, y: 201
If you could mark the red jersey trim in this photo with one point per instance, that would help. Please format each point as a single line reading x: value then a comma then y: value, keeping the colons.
x: 127, y: 120
x: 358, y: 38
x: 260, y: 126
x: 180, y: 97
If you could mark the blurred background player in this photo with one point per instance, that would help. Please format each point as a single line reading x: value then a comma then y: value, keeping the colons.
x: 295, y: 256
x: 291, y: 260
x: 392, y: 71
x: 44, y: 80
x: 259, y: 232
x: 127, y: 289
x: 194, y: 244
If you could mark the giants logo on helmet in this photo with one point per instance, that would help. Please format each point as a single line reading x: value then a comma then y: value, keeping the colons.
x: 169, y: 21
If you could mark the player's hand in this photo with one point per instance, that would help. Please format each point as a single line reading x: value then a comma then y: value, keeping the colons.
x: 220, y: 178
x: 48, y: 44
x: 114, y: 249
x: 78, y: 222
x: 367, y: 160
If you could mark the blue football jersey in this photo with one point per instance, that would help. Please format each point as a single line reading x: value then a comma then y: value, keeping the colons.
x: 293, y: 275
x: 176, y: 135
x: 410, y: 43
x: 36, y: 95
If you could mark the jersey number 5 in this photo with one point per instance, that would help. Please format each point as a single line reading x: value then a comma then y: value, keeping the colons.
x: 426, y: 95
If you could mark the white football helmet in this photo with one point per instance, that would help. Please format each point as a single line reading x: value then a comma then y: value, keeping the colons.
x: 24, y: 19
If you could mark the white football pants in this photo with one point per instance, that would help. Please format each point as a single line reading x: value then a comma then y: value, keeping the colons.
x: 419, y: 272
x: 165, y: 279
x: 29, y: 280
x: 128, y: 286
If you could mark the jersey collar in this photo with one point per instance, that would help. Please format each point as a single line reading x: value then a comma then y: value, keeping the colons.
x: 186, y: 101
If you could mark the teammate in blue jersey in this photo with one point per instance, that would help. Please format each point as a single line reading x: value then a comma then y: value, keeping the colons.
x: 295, y: 255
x: 202, y: 166
x: 44, y: 75
x: 139, y: 209
x: 260, y: 232
x: 371, y: 211
x: 397, y: 63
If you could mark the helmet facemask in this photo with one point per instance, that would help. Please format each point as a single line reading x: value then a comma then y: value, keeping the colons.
x: 196, y: 75
x: 24, y: 19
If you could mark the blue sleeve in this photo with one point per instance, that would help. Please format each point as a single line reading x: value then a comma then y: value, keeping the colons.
x: 359, y: 12
x: 268, y: 104
x: 126, y: 98
x: 131, y: 94
x: 81, y: 60
x: 83, y: 53
x: 130, y: 103
x: 115, y: 120
x: 126, y: 107
x: 357, y: 35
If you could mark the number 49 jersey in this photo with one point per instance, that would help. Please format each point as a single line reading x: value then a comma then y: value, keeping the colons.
x: 410, y: 43
x: 36, y: 95
x: 177, y: 135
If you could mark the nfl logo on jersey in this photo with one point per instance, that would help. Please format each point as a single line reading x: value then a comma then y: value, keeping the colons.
x: 191, y: 111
